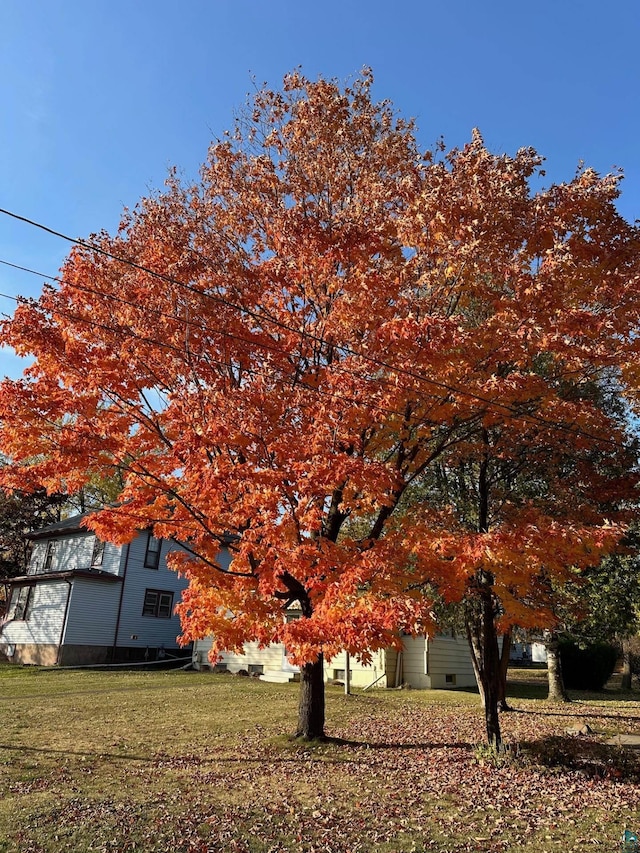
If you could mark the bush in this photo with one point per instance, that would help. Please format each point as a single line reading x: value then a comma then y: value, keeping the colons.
x: 587, y: 668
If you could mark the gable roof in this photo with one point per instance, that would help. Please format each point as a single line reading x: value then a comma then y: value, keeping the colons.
x: 67, y: 525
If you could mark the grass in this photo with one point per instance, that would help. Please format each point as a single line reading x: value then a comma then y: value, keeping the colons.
x: 192, y: 763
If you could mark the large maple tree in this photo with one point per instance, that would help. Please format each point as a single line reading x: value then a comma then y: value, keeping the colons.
x: 278, y: 358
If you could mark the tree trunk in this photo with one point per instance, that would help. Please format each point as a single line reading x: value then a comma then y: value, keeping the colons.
x: 557, y: 691
x: 503, y: 705
x: 626, y: 663
x: 483, y: 643
x: 311, y: 706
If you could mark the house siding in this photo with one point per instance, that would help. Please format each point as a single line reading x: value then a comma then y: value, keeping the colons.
x: 136, y: 630
x: 423, y: 664
x: 272, y: 659
x: 104, y: 610
x: 93, y: 610
x: 414, y: 662
x: 450, y: 656
x: 361, y: 675
x: 43, y: 627
x: 73, y: 552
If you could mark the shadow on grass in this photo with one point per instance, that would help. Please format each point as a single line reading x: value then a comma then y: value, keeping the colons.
x: 44, y: 750
x: 575, y: 711
x: 540, y: 690
x: 526, y: 690
x: 314, y: 746
x: 592, y: 759
x: 320, y: 743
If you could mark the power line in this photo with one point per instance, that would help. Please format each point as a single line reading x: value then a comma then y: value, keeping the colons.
x: 263, y: 318
x: 180, y: 351
x: 337, y: 367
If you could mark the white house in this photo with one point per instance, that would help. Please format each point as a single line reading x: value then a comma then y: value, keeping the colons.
x: 85, y: 601
x: 526, y: 653
x: 438, y: 662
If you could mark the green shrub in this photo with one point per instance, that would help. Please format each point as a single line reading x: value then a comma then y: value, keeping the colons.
x: 587, y: 668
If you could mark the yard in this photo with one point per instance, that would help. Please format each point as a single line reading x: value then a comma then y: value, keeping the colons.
x: 190, y: 762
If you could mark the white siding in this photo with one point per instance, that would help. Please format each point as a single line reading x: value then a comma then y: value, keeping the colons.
x: 93, y: 611
x: 424, y: 664
x: 538, y: 653
x: 449, y: 656
x: 414, y: 662
x: 73, y: 551
x: 45, y: 616
x: 362, y: 675
x: 38, y: 552
x: 272, y: 659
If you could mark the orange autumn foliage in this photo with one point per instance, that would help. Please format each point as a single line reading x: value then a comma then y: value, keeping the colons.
x: 281, y: 356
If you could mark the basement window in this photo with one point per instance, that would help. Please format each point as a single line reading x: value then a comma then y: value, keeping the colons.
x: 255, y: 669
x: 450, y: 679
x: 339, y: 674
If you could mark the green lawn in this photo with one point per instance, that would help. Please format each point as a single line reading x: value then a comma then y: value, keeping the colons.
x: 158, y: 761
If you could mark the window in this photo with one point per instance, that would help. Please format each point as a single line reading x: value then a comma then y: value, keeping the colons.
x: 21, y: 601
x: 50, y: 556
x: 157, y: 602
x: 450, y: 679
x: 152, y: 553
x: 98, y: 552
x: 256, y: 669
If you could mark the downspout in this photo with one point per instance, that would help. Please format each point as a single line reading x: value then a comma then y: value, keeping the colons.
x: 64, y: 623
x: 398, y: 678
x: 7, y: 601
x: 124, y: 577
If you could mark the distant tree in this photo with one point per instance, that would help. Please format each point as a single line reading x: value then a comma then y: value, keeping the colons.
x: 21, y: 513
x: 611, y: 595
x: 607, y: 603
x: 100, y: 491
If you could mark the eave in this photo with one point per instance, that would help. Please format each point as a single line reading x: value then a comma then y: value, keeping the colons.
x: 43, y: 577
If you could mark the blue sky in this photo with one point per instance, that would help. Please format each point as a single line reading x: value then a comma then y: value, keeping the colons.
x: 100, y: 97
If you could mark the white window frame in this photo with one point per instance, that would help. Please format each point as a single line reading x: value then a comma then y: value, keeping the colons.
x: 21, y: 603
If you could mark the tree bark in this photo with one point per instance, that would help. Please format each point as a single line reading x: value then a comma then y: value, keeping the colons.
x: 481, y: 619
x: 626, y: 663
x: 311, y: 705
x: 557, y: 691
x: 503, y: 705
x: 483, y: 643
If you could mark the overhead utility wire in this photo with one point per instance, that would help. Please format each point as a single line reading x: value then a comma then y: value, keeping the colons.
x: 156, y: 342
x: 323, y: 392
x: 222, y: 333
x: 514, y: 413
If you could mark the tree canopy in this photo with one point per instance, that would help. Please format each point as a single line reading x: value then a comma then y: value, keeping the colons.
x: 21, y: 513
x: 275, y: 356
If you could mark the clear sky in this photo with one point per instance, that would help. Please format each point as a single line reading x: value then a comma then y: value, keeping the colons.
x: 100, y: 97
